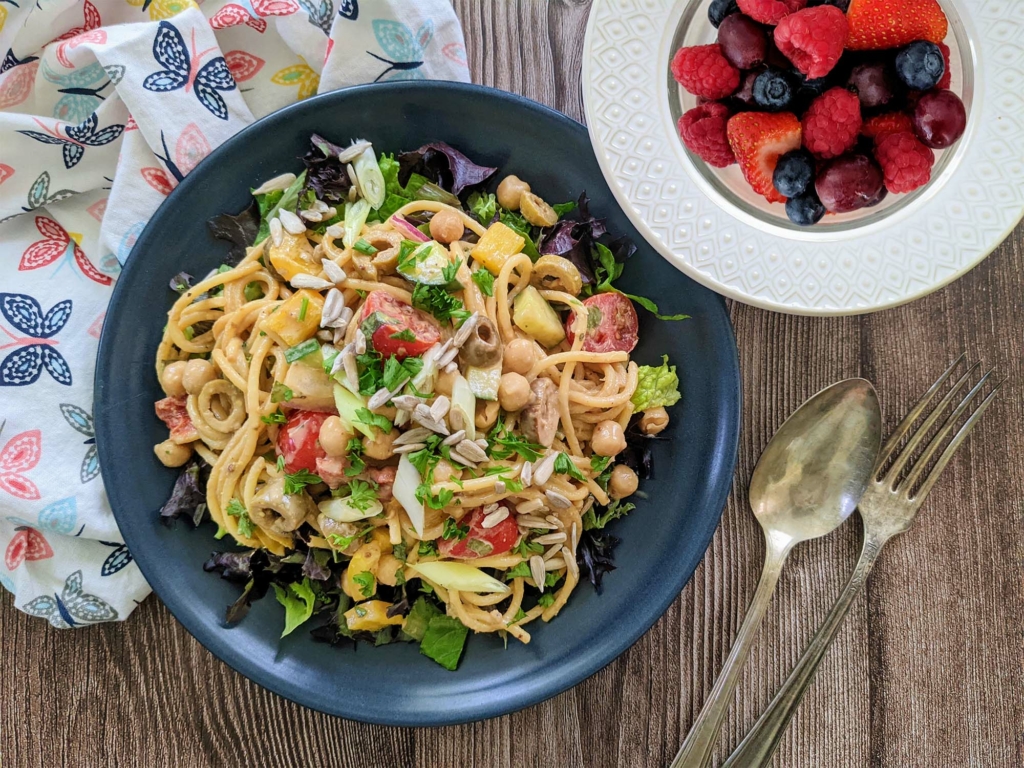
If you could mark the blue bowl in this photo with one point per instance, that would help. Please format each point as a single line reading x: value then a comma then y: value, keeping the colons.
x: 662, y: 540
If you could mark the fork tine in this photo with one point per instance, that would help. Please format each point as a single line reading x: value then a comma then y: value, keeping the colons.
x: 960, y: 436
x: 933, y: 447
x: 922, y: 430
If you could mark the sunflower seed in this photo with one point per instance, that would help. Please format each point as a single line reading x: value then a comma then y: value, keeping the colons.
x: 351, y: 369
x: 320, y: 206
x: 340, y: 324
x: 380, y: 397
x: 355, y: 181
x: 360, y: 342
x: 276, y: 231
x: 570, y: 562
x: 334, y: 273
x: 410, y: 447
x: 448, y: 358
x: 429, y: 423
x: 482, y: 442
x: 330, y: 213
x: 357, y: 148
x: 551, y: 551
x: 454, y: 438
x: 558, y: 501
x: 278, y: 183
x: 339, y: 363
x: 554, y: 521
x: 462, y: 336
x: 574, y: 540
x: 333, y: 305
x: 457, y: 421
x: 352, y: 194
x: 526, y: 474
x: 406, y: 402
x: 452, y: 368
x: 472, y: 450
x: 414, y: 435
x: 335, y: 231
x: 310, y: 215
x: 401, y: 418
x: 291, y: 222
x: 324, y: 335
x: 302, y: 280
x: 440, y: 409
x: 529, y: 507
x: 537, y: 571
x: 499, y: 486
x: 422, y: 410
x: 318, y: 251
x: 494, y: 518
x: 554, y: 564
x: 491, y: 507
x: 464, y: 460
x: 542, y: 471
x: 550, y: 538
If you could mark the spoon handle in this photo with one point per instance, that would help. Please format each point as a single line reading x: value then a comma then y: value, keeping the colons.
x: 700, y: 742
x: 760, y: 743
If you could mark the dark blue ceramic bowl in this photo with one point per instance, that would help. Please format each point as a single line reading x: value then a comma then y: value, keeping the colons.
x: 662, y: 541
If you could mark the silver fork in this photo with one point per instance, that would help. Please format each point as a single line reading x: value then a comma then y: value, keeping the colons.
x: 887, y: 508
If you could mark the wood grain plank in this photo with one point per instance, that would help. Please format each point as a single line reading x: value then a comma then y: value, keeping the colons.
x: 926, y: 673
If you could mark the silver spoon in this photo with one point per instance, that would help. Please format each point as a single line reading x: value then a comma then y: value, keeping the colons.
x: 806, y: 483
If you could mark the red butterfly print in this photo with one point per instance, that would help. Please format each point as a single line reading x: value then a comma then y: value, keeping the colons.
x: 56, y: 243
x: 89, y: 36
x: 17, y: 84
x: 330, y: 47
x: 27, y: 544
x: 91, y: 21
x: 21, y: 454
x: 157, y: 179
x: 131, y: 125
x: 97, y: 326
x: 232, y: 15
x: 243, y: 66
x: 275, y: 7
x: 190, y: 148
x: 5, y: 172
x: 97, y: 209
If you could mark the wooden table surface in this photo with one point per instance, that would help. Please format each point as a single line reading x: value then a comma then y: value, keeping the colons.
x: 927, y: 671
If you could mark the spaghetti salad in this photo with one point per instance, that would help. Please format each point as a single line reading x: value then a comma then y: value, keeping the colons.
x: 411, y: 402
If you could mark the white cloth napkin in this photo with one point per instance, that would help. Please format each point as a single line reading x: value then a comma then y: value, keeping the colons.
x: 104, y: 106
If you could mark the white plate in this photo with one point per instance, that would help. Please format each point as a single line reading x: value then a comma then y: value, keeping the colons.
x: 738, y: 245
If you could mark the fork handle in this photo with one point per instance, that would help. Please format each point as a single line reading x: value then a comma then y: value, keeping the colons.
x: 760, y: 743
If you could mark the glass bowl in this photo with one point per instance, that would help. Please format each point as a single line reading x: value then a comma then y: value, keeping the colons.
x: 727, y: 187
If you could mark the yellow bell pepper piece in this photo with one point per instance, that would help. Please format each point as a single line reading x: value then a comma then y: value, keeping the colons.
x: 496, y: 246
x: 296, y: 320
x: 293, y: 256
x: 371, y: 616
x: 363, y: 561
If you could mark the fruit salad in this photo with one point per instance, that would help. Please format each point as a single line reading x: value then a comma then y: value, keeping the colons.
x: 826, y: 105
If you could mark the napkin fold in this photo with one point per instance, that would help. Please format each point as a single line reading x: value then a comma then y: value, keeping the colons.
x: 106, y: 105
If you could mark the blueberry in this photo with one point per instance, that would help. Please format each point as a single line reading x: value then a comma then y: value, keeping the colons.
x: 719, y: 9
x: 774, y: 90
x: 920, y: 65
x: 794, y: 173
x: 842, y: 5
x: 805, y: 209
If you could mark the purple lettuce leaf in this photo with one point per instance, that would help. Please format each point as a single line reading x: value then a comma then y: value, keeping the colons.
x: 325, y: 174
x: 444, y: 165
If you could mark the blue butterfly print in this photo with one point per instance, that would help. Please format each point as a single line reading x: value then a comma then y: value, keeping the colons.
x: 78, y: 137
x: 72, y: 607
x: 37, y: 351
x: 407, y: 49
x: 116, y: 560
x: 320, y: 14
x: 181, y: 70
x: 82, y: 90
x: 80, y: 420
x: 349, y: 9
x: 7, y: 583
x: 60, y: 517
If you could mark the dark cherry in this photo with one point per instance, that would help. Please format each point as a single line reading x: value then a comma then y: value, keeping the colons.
x: 744, y: 42
x: 743, y: 97
x: 873, y: 84
x: 939, y: 118
x: 848, y: 183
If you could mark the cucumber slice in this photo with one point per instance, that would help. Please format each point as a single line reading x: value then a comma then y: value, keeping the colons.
x: 483, y: 382
x: 426, y: 264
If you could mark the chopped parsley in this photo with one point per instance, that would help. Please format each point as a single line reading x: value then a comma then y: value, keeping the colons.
x: 360, y: 495
x: 363, y: 246
x: 427, y: 549
x: 344, y: 542
x: 274, y: 418
x: 381, y: 422
x: 527, y: 548
x: 399, y: 551
x: 299, y: 351
x: 566, y: 466
x: 280, y: 393
x: 546, y: 600
x: 608, y: 270
x: 280, y: 463
x: 403, y: 335
x: 296, y: 481
x: 354, y: 453
x: 598, y: 464
x: 303, y: 308
x: 520, y: 570
x: 452, y: 530
x: 371, y: 372
x: 502, y: 444
x: 485, y: 280
x: 520, y: 615
x: 438, y: 500
x: 395, y: 371
x: 235, y: 508
x: 436, y: 300
x: 367, y: 584
x: 599, y: 518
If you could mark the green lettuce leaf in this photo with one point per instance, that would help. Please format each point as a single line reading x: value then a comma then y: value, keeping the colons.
x: 656, y: 386
x: 419, y: 617
x: 597, y: 518
x: 298, y: 601
x: 444, y: 640
x: 483, y: 206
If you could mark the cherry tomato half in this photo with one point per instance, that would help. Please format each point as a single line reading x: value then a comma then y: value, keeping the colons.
x: 299, y: 441
x: 385, y: 319
x: 611, y: 324
x: 481, y: 542
x: 172, y: 412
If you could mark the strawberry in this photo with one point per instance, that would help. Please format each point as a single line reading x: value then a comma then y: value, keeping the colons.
x: 877, y: 24
x: 758, y: 139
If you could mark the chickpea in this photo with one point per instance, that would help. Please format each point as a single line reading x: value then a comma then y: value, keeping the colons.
x: 536, y: 211
x: 519, y: 357
x: 486, y: 413
x: 170, y: 378
x: 444, y: 472
x: 623, y: 482
x: 513, y: 391
x: 654, y: 421
x: 334, y: 437
x: 382, y: 446
x: 198, y: 373
x: 446, y: 226
x: 608, y: 439
x: 510, y: 192
x: 171, y: 454
x: 387, y: 570
x: 444, y: 382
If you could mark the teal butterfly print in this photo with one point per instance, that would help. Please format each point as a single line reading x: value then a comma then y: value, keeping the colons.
x: 82, y: 89
x: 39, y: 195
x: 80, y: 420
x: 72, y: 607
x: 407, y: 49
x: 320, y: 13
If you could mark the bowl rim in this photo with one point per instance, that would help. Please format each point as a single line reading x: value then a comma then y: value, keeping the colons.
x: 215, y: 639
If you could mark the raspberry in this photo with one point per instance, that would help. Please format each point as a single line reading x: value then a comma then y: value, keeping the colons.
x: 703, y: 132
x: 880, y: 126
x: 704, y: 71
x: 947, y: 75
x: 906, y: 162
x: 813, y: 39
x: 831, y: 123
x: 770, y: 11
